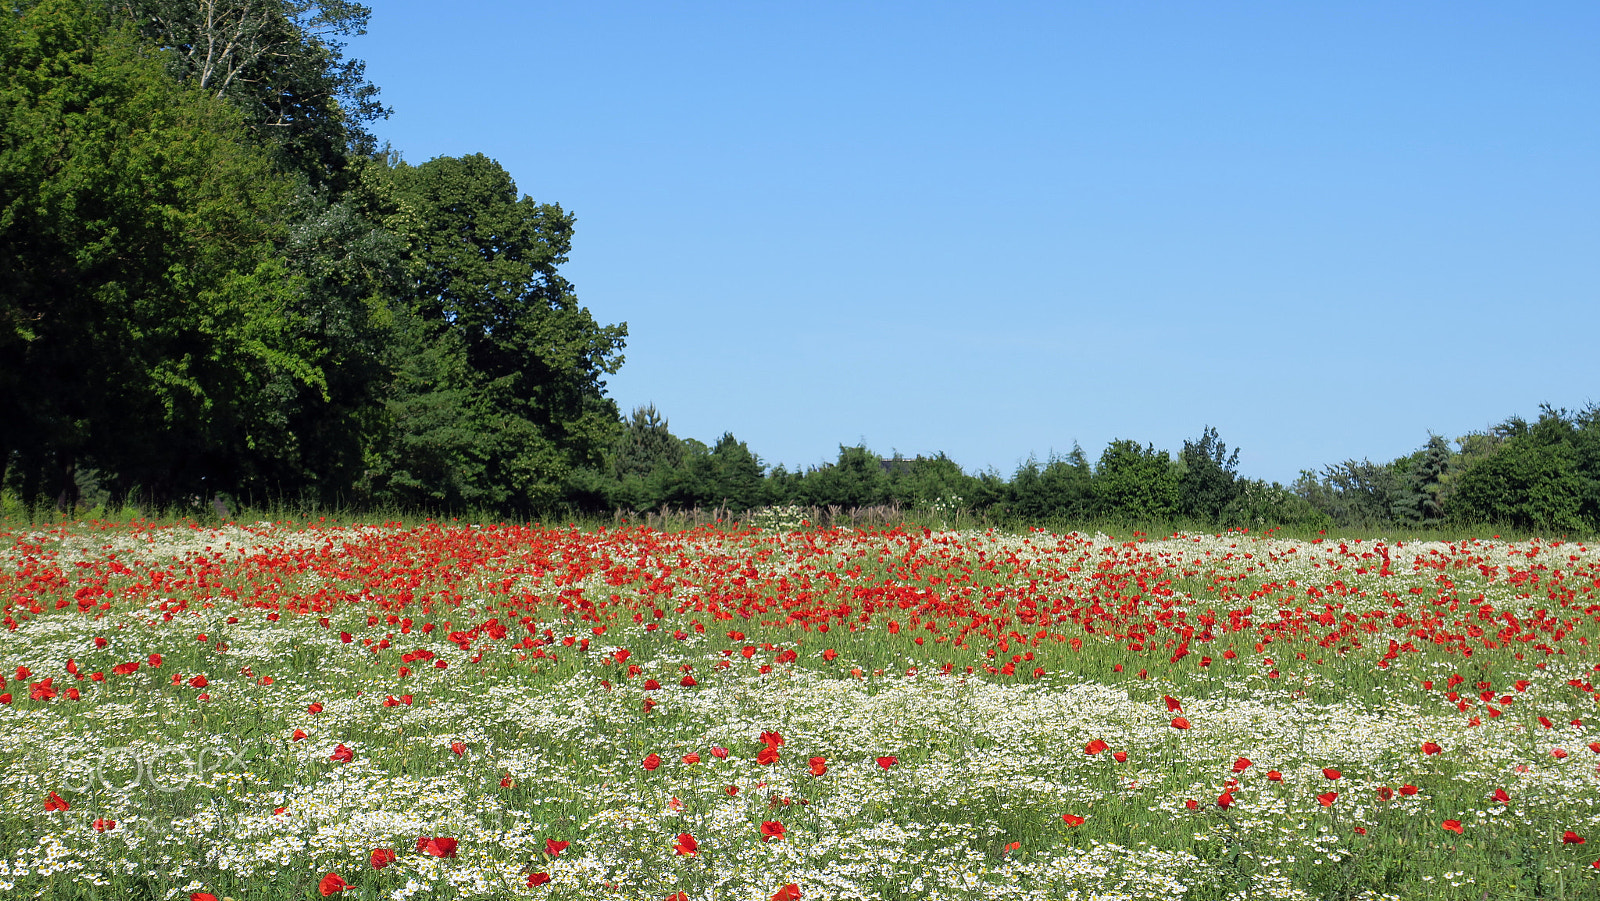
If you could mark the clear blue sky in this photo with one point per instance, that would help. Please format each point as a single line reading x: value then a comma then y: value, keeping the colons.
x: 994, y: 229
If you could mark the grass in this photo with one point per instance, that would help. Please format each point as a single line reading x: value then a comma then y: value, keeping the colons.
x: 219, y: 762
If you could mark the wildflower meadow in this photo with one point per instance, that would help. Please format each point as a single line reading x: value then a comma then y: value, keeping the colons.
x: 288, y: 711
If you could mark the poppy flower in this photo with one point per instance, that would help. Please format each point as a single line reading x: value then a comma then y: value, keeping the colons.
x: 677, y: 896
x: 342, y: 754
x: 1073, y: 819
x: 829, y: 655
x: 1179, y: 722
x: 1452, y: 826
x: 1385, y: 793
x: 771, y: 739
x: 790, y: 892
x: 1173, y: 704
x: 104, y: 825
x: 554, y: 848
x: 202, y: 896
x: 819, y: 765
x: 886, y: 762
x: 1225, y: 800
x: 772, y: 831
x: 1274, y: 776
x: 651, y: 761
x: 1571, y: 838
x: 332, y: 884
x: 315, y: 708
x: 691, y: 758
x: 457, y: 748
x: 437, y: 847
x: 537, y: 879
x: 1429, y: 748
x: 686, y: 844
x: 767, y: 755
x: 1408, y: 790
x: 1120, y: 756
x: 382, y: 857
x: 507, y: 782
x: 1331, y: 773
x: 1241, y: 764
x: 688, y: 682
x: 1559, y: 753
x: 732, y: 790
x: 719, y: 752
x: 1501, y: 796
x: 298, y: 734
x: 54, y: 803
x: 1326, y: 799
x: 1192, y: 804
x: 1095, y: 747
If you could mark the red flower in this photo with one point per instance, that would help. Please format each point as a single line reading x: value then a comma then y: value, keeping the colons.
x: 1095, y: 747
x: 1073, y: 819
x: 1429, y: 748
x: 790, y: 892
x: 651, y: 761
x: 771, y: 831
x: 1571, y: 838
x: 1120, y: 756
x: 1179, y: 722
x: 331, y: 884
x: 732, y: 790
x: 819, y: 765
x: 103, y: 825
x: 767, y: 755
x: 1241, y: 764
x: 771, y: 739
x: 1559, y: 753
x: 298, y: 734
x: 125, y: 669
x: 538, y: 879
x: 691, y: 758
x: 342, y: 754
x: 1173, y: 704
x: 1452, y: 826
x: 382, y: 857
x: 1192, y: 804
x: 1385, y: 793
x: 686, y: 844
x: 316, y: 707
x: 1326, y: 799
x: 202, y: 896
x: 54, y: 803
x: 437, y: 847
x: 719, y: 752
x: 1225, y: 800
x: 1331, y: 773
x: 1501, y: 796
x: 554, y: 848
x: 507, y: 782
x: 154, y: 661
x: 1408, y: 790
x: 829, y: 654
x: 688, y: 682
x: 887, y: 762
x: 1274, y: 776
x: 457, y: 748
x: 677, y: 896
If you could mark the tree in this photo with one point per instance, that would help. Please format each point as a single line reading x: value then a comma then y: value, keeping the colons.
x: 1534, y: 479
x: 523, y: 360
x: 143, y: 303
x: 1209, y: 482
x: 1134, y: 483
x: 856, y: 479
x: 1059, y: 491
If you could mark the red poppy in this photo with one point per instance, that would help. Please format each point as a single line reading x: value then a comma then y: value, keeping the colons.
x: 382, y: 857
x: 1274, y: 776
x: 719, y: 752
x: 1326, y: 799
x: 1408, y: 790
x: 1173, y: 704
x: 1179, y: 722
x: 1501, y: 796
x: 1385, y: 793
x: 298, y: 734
x: 767, y: 755
x: 829, y: 655
x: 457, y: 748
x: 1192, y: 804
x: 54, y: 803
x: 1120, y: 756
x: 651, y: 685
x: 772, y: 831
x: 202, y: 896
x: 886, y: 762
x: 677, y: 896
x: 771, y: 739
x: 1225, y: 800
x: 342, y: 754
x: 507, y: 782
x: 437, y: 847
x: 732, y: 790
x: 554, y: 848
x: 691, y: 758
x: 104, y: 825
x: 315, y: 707
x: 686, y: 844
x: 1095, y: 747
x: 1571, y: 838
x: 1241, y: 764
x: 819, y: 765
x: 331, y: 884
x: 1559, y: 753
x: 538, y: 879
x: 1452, y: 826
x: 688, y: 682
x: 790, y: 892
x: 651, y: 761
x: 1331, y: 773
x: 1429, y: 748
x: 1073, y: 819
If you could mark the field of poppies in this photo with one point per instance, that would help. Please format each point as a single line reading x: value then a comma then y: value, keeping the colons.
x: 279, y: 711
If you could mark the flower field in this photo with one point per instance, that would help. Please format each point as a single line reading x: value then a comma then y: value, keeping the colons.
x: 277, y: 711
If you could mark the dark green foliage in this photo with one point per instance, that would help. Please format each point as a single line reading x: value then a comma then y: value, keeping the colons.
x: 1210, y: 478
x: 1354, y: 494
x: 1061, y: 490
x: 857, y: 479
x: 1539, y: 477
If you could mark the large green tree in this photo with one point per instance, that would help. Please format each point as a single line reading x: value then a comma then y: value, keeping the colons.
x: 509, y: 383
x: 145, y: 322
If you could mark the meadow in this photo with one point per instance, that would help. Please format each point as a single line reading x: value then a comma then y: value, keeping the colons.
x: 288, y: 711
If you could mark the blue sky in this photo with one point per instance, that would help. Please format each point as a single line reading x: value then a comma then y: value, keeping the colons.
x: 998, y: 229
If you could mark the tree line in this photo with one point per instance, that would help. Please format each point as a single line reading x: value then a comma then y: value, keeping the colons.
x: 215, y: 286
x: 1543, y: 476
